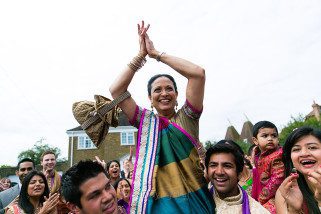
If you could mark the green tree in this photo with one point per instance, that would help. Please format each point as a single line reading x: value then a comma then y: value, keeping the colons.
x: 35, y: 152
x: 297, y: 122
x: 5, y: 166
x: 244, y: 145
x: 209, y: 143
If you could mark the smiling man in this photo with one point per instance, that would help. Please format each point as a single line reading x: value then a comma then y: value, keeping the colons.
x: 87, y: 190
x: 48, y: 163
x: 224, y: 164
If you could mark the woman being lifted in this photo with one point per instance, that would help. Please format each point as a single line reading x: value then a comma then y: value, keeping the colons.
x: 168, y: 176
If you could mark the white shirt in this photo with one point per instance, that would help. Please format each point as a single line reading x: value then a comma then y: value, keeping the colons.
x: 233, y: 204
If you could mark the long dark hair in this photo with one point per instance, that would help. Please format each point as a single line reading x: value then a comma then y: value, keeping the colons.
x: 293, y: 138
x: 24, y: 202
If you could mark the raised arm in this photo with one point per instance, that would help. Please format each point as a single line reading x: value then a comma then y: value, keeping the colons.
x: 122, y: 82
x: 194, y: 73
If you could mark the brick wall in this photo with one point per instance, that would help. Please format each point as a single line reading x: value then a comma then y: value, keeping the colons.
x: 110, y: 149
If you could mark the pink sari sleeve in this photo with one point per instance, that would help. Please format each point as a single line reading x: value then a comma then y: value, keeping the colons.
x: 190, y: 111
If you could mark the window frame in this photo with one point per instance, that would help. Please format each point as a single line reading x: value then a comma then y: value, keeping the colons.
x: 85, y: 141
x: 128, y: 135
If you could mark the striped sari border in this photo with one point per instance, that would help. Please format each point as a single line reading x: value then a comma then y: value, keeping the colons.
x: 151, y: 163
x: 137, y: 154
x: 145, y: 159
x: 143, y: 175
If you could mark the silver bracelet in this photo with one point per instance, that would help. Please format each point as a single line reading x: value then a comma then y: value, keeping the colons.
x: 159, y: 56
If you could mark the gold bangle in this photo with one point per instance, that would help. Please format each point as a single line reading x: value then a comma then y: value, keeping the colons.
x: 158, y: 58
x: 137, y: 62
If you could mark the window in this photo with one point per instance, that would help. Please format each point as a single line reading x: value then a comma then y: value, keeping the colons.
x: 127, y: 138
x: 84, y: 142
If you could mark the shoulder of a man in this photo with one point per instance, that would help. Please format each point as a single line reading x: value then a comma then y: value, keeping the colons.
x: 256, y: 207
x: 7, y: 196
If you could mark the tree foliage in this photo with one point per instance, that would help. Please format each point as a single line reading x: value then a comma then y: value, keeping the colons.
x: 209, y: 143
x: 35, y: 152
x: 4, y: 166
x: 295, y: 123
x: 244, y: 145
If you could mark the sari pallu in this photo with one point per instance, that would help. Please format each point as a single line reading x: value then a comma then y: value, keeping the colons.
x: 167, y: 177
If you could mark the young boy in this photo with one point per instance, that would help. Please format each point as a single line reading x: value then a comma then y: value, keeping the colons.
x: 269, y: 172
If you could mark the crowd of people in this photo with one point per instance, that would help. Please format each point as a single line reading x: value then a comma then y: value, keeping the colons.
x: 173, y: 173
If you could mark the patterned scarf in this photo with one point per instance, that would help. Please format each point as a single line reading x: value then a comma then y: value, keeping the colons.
x: 54, y: 182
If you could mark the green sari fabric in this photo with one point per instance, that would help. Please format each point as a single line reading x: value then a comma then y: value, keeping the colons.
x: 167, y: 175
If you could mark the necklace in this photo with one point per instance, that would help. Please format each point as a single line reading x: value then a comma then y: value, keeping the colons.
x: 37, y: 209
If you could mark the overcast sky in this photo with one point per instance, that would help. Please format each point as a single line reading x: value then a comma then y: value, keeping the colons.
x: 262, y: 60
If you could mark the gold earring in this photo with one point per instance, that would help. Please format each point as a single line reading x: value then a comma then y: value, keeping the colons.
x: 176, y: 105
x: 152, y: 107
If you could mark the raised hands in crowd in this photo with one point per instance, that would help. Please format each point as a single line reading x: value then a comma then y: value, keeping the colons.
x: 50, y: 204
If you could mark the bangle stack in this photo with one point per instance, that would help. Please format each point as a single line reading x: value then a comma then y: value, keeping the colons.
x: 137, y: 62
x: 158, y: 58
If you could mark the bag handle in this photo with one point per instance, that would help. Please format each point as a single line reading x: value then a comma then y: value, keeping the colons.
x: 102, y: 111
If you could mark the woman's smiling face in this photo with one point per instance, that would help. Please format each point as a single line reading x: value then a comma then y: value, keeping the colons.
x: 114, y: 170
x: 306, y: 154
x: 163, y: 96
x: 123, y: 190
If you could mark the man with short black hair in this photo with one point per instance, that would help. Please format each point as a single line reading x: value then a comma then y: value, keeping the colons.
x: 87, y: 190
x: 224, y: 164
x: 24, y: 166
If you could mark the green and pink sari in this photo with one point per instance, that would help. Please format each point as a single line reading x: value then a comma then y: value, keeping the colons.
x: 167, y: 175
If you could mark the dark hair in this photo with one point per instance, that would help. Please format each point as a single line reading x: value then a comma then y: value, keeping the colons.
x: 263, y: 124
x: 239, y: 149
x: 293, y: 138
x: 25, y: 160
x: 119, y: 180
x: 75, y: 176
x: 153, y: 78
x: 110, y: 162
x: 232, y: 143
x: 223, y: 147
x: 24, y: 202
